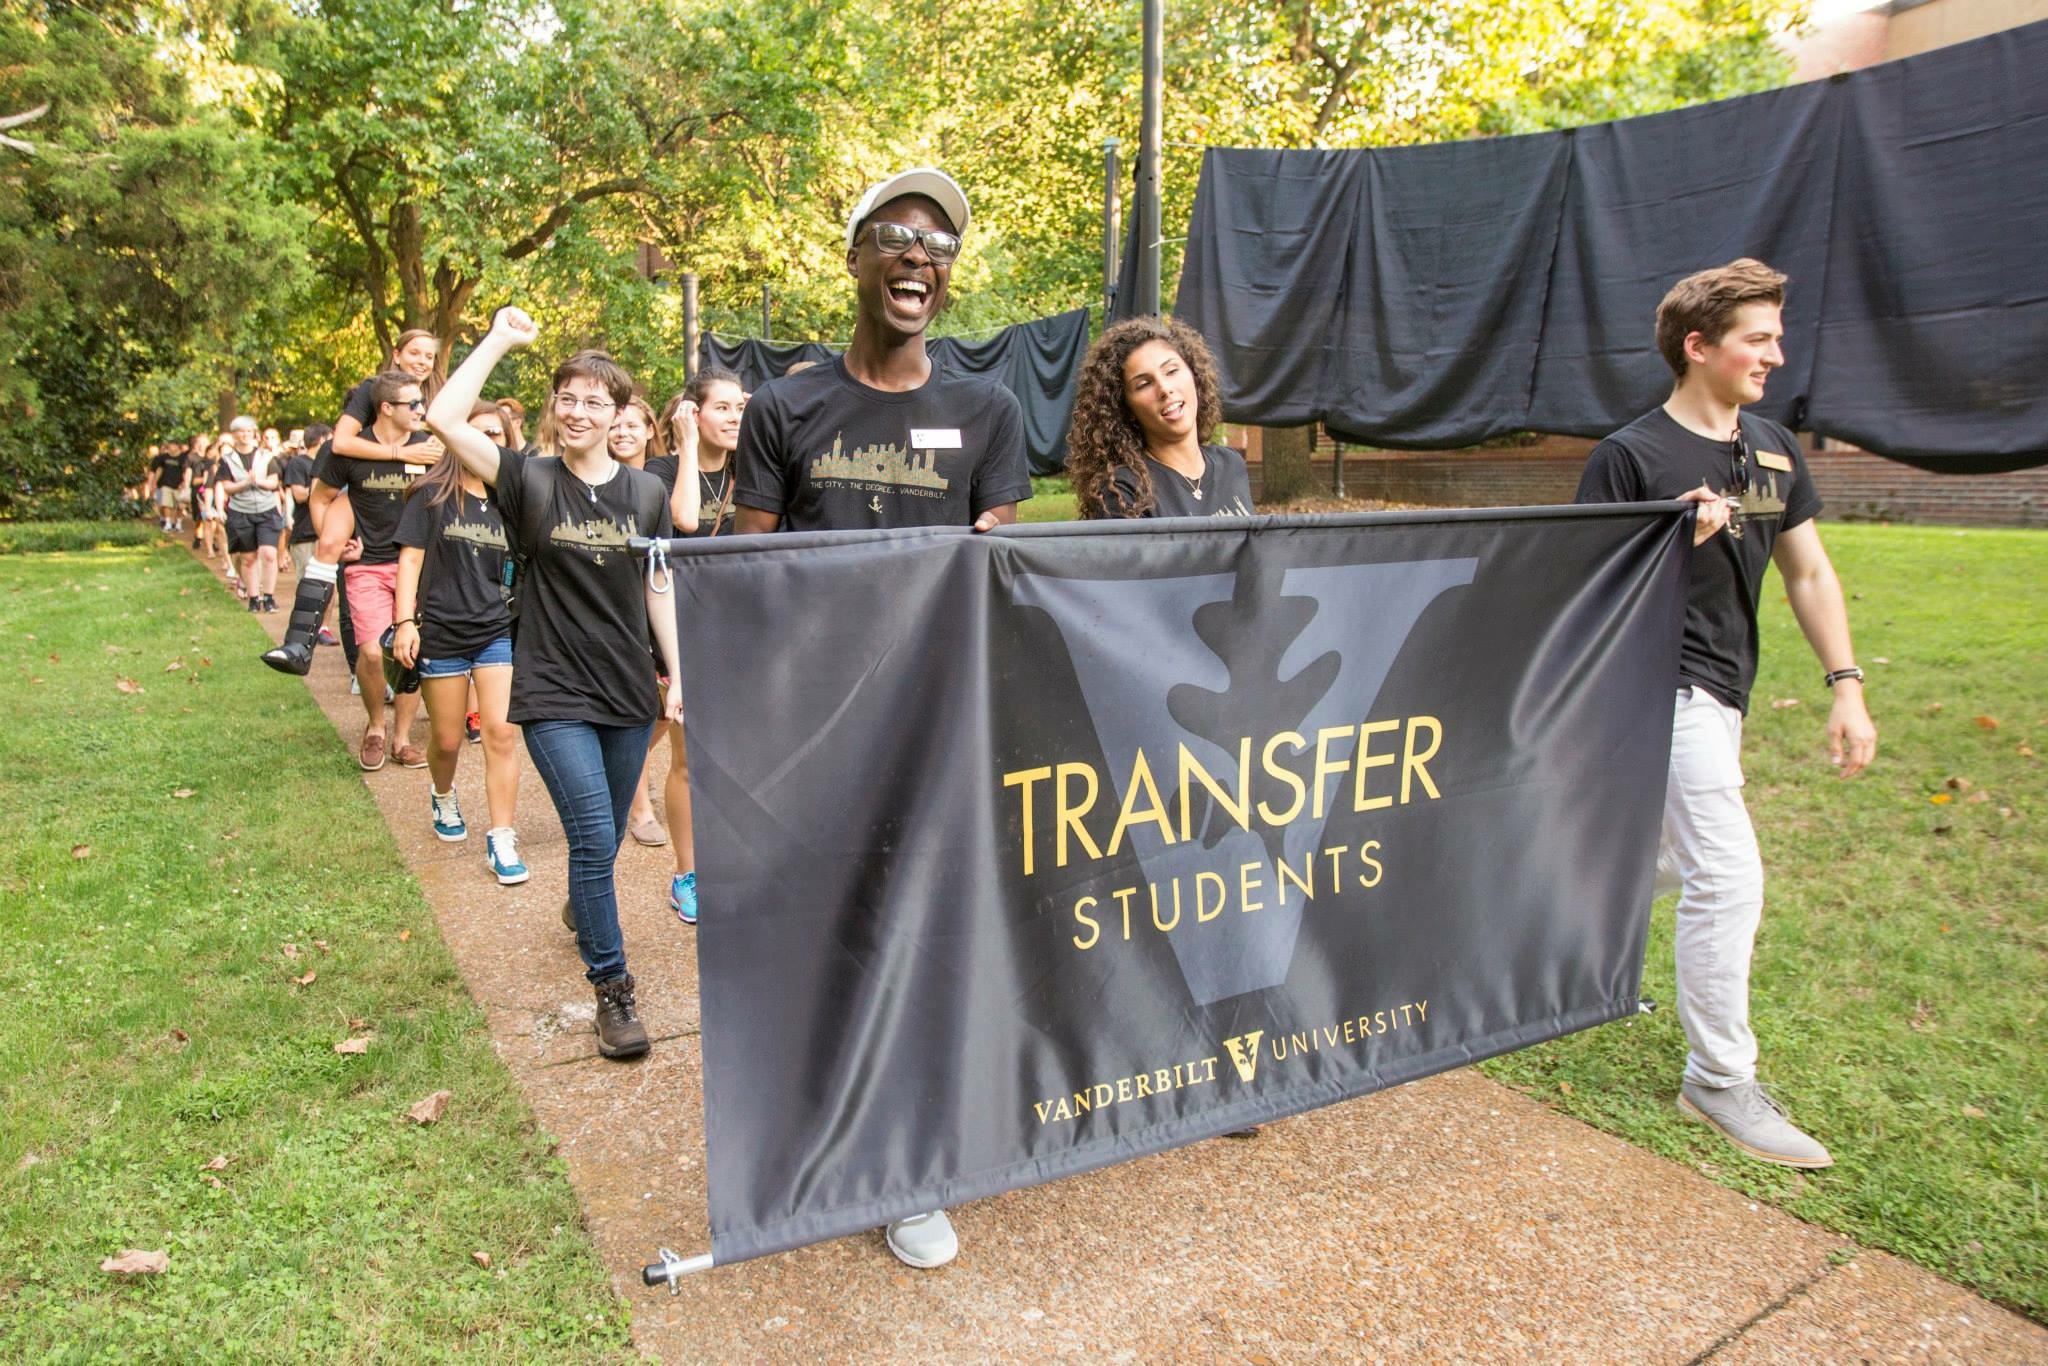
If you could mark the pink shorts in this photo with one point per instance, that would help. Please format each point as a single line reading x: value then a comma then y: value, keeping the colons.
x: 372, y: 596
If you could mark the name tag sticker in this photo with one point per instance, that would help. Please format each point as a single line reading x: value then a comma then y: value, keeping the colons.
x: 935, y: 438
x: 415, y: 469
x: 1771, y: 460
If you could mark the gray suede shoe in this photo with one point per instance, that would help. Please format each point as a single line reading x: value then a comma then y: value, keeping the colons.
x: 1753, y: 1122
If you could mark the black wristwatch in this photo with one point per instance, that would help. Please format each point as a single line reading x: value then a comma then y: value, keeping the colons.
x: 1834, y: 676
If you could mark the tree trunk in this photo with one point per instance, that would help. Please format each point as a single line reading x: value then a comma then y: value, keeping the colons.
x: 1285, y: 463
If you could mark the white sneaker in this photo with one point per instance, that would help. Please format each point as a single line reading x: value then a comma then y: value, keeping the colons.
x: 923, y: 1240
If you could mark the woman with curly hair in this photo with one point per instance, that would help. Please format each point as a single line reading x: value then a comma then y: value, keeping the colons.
x: 1146, y: 399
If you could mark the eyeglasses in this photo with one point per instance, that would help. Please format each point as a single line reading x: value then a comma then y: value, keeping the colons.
x: 596, y: 407
x: 893, y: 239
x: 1738, y: 459
x: 418, y: 405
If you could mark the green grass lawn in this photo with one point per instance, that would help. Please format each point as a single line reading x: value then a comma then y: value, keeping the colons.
x: 1051, y: 500
x: 162, y: 846
x: 1901, y: 973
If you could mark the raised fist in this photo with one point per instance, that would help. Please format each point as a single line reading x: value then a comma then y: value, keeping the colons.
x: 514, y: 327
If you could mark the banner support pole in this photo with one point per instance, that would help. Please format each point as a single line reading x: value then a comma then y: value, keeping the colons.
x: 672, y: 1268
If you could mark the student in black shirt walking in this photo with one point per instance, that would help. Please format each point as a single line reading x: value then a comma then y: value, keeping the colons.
x: 1146, y: 400
x: 455, y: 626
x: 1719, y: 331
x: 413, y: 355
x: 881, y: 437
x: 583, y: 685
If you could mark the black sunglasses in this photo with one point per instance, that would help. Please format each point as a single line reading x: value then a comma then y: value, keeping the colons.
x: 893, y: 239
x: 1738, y: 458
x: 418, y: 405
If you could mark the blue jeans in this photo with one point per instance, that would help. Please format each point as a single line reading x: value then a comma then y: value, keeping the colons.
x: 591, y: 772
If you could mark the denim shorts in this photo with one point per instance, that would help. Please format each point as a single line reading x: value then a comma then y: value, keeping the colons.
x: 498, y: 652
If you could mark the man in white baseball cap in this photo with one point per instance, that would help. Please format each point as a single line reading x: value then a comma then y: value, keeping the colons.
x: 881, y: 438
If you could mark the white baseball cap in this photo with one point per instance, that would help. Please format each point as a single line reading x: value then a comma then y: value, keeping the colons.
x: 929, y: 181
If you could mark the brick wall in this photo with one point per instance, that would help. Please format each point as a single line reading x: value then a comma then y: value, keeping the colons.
x: 1854, y: 485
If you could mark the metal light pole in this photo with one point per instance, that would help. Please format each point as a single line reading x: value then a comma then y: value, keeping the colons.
x: 1149, y: 138
x: 693, y: 336
x: 1110, y: 214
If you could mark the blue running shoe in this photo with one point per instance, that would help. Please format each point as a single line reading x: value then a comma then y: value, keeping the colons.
x: 682, y: 897
x: 503, y: 856
x: 448, y: 818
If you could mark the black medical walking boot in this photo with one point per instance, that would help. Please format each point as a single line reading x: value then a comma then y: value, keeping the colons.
x: 295, y: 656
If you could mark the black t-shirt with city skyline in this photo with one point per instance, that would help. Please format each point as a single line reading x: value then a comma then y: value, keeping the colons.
x: 169, y: 469
x: 376, y: 492
x: 714, y: 490
x: 1224, y: 490
x: 461, y: 598
x: 826, y: 452
x: 581, y: 650
x: 1655, y: 458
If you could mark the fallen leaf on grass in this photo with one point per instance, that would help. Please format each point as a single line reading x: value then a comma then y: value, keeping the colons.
x: 216, y: 1183
x: 1565, y: 1087
x: 1978, y: 797
x: 127, y: 685
x: 2026, y: 751
x: 354, y: 1023
x: 291, y: 950
x: 81, y: 851
x: 135, y: 1262
x: 1933, y: 708
x: 1960, y: 784
x: 404, y: 935
x: 1880, y: 660
x: 1784, y: 703
x: 182, y: 793
x: 305, y: 981
x: 481, y: 1258
x: 53, y: 658
x: 320, y: 944
x: 1987, y: 723
x: 27, y: 1160
x: 430, y: 1109
x: 1941, y: 799
x: 1973, y: 1112
x: 348, y: 1047
x: 174, y: 666
x: 217, y: 1163
x: 181, y: 1036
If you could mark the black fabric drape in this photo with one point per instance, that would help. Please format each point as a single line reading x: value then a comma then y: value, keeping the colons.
x: 1039, y: 362
x: 1434, y: 297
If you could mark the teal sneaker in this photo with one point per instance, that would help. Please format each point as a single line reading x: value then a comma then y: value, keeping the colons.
x: 504, y: 858
x: 448, y: 817
x: 682, y: 897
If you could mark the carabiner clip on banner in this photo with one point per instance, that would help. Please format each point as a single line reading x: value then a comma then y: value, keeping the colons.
x: 672, y: 1268
x: 658, y: 567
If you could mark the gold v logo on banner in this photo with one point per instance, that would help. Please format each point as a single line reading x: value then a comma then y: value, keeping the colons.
x: 1244, y: 1054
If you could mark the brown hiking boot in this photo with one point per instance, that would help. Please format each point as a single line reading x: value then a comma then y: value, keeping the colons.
x: 372, y: 756
x: 619, y: 1031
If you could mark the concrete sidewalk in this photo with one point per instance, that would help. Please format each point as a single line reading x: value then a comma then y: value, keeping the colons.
x: 1447, y: 1220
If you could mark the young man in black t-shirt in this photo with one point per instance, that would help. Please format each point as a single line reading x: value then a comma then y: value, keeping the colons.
x: 882, y: 438
x: 169, y: 484
x: 376, y: 490
x: 1719, y: 330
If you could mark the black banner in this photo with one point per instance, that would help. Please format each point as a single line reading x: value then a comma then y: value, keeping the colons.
x: 1437, y: 296
x: 1027, y: 853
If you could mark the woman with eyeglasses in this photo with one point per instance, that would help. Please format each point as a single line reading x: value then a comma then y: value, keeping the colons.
x: 455, y: 627
x: 414, y: 355
x: 1146, y: 400
x: 582, y: 683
